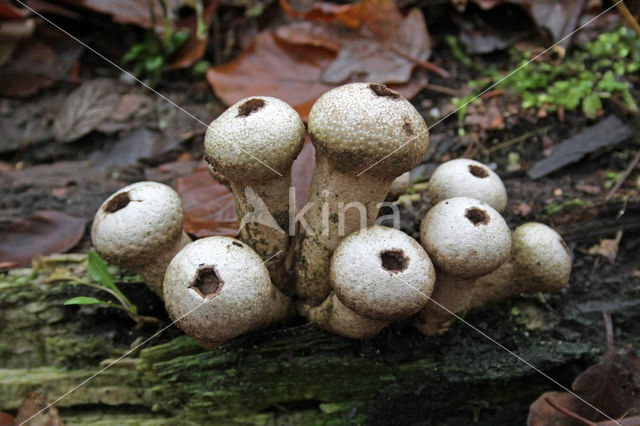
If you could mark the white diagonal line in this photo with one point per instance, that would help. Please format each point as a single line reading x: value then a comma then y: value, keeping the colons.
x: 490, y: 87
x: 501, y: 346
x: 151, y: 89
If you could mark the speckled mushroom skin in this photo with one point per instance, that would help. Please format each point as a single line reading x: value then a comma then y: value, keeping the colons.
x: 378, y: 275
x: 140, y: 227
x: 467, y: 178
x: 539, y: 261
x: 352, y: 128
x: 465, y: 239
x: 239, y: 300
x: 269, y: 130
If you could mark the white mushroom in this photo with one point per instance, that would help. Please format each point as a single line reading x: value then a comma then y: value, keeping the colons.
x: 539, y: 261
x: 378, y: 275
x: 465, y: 238
x: 252, y: 146
x: 140, y: 227
x: 218, y: 288
x: 467, y: 178
x: 399, y: 186
x: 365, y: 136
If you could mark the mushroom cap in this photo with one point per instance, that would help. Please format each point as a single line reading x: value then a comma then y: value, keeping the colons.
x: 467, y: 178
x: 217, y: 288
x: 541, y: 252
x: 382, y: 273
x: 357, y: 125
x: 257, y: 128
x: 138, y: 223
x: 465, y: 237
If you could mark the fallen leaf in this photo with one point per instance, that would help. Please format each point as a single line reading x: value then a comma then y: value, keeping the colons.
x: 11, y: 34
x: 291, y: 72
x: 33, y: 67
x: 209, y: 207
x: 44, y: 232
x: 541, y: 413
x: 135, y: 12
x: 613, y: 384
x: 195, y: 46
x: 36, y: 411
x: 6, y: 419
x: 139, y: 144
x: 607, y: 247
x: 84, y: 109
x: 9, y: 11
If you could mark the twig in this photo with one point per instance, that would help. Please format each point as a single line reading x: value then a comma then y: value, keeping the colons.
x: 608, y: 324
x: 442, y: 89
x: 517, y: 139
x: 628, y: 17
x: 424, y: 64
x: 568, y: 412
x: 623, y: 177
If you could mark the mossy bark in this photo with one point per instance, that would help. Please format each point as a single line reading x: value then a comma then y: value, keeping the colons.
x: 291, y: 374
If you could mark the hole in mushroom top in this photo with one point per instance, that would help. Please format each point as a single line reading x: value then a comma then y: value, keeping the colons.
x: 207, y: 282
x: 383, y: 91
x: 477, y: 171
x: 250, y: 106
x: 394, y: 260
x: 118, y: 202
x: 407, y: 128
x: 477, y: 216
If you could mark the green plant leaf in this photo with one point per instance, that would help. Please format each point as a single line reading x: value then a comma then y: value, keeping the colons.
x: 84, y: 300
x: 591, y: 105
x: 99, y: 272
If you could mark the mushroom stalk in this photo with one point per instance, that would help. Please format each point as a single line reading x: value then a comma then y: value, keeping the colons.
x: 252, y: 145
x: 265, y: 222
x: 336, y: 318
x: 466, y: 238
x: 451, y: 295
x: 539, y: 261
x: 365, y: 136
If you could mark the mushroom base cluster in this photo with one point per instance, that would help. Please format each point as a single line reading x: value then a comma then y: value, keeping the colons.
x: 335, y: 267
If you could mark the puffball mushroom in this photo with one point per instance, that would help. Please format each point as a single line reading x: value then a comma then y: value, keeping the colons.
x: 218, y: 288
x: 252, y: 145
x: 465, y: 239
x: 467, y: 178
x: 539, y: 261
x: 365, y: 136
x: 398, y: 187
x: 378, y: 275
x: 140, y: 227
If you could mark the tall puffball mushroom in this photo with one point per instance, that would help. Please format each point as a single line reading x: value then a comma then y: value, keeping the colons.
x: 465, y: 239
x: 218, y: 288
x: 378, y: 275
x: 365, y: 136
x: 140, y: 227
x: 539, y: 261
x: 467, y: 178
x: 252, y: 145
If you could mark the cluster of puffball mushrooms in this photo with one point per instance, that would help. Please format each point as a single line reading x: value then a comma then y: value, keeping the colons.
x: 345, y: 278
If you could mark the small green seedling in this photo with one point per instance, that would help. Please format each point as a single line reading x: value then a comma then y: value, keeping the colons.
x: 101, y: 279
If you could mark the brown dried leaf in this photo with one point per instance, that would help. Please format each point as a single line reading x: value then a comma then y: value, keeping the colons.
x: 44, y: 232
x: 195, y: 46
x: 35, y: 411
x: 84, y: 109
x: 541, y: 413
x: 33, y: 67
x: 613, y: 384
x: 209, y: 207
x: 135, y: 12
x: 291, y: 72
x: 6, y: 419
